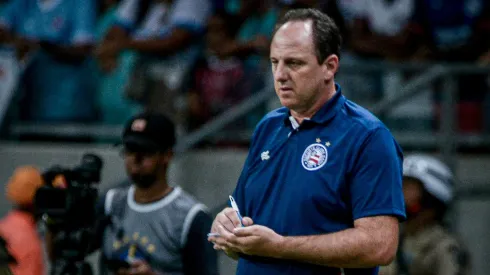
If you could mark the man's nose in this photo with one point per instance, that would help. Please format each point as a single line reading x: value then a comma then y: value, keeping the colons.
x: 280, y: 73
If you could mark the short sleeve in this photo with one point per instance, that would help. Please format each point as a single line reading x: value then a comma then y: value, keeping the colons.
x: 126, y: 13
x: 376, y: 177
x: 84, y: 22
x: 11, y: 14
x: 191, y: 14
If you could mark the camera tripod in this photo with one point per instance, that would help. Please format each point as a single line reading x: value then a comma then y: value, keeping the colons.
x: 71, y: 247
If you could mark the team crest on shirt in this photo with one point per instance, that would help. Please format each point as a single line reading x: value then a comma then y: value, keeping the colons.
x: 314, y: 157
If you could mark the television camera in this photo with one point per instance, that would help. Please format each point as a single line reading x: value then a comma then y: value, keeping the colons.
x: 67, y: 205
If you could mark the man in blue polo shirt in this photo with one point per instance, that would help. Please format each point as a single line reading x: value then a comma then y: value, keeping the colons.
x: 321, y: 189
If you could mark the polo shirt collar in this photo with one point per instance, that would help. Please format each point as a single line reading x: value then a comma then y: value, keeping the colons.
x: 327, y: 112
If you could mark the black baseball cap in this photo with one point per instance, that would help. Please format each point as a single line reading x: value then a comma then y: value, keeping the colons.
x: 149, y: 132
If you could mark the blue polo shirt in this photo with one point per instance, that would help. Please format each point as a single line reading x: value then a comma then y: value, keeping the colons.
x: 318, y: 177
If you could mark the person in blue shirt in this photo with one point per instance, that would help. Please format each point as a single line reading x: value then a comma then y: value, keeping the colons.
x: 55, y: 38
x: 163, y: 32
x: 321, y: 189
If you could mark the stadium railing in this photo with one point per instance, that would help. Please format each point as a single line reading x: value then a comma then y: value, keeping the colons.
x: 445, y: 140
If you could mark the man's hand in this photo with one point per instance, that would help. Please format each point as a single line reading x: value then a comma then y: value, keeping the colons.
x: 250, y: 239
x: 137, y: 268
x: 255, y: 240
x: 227, y: 219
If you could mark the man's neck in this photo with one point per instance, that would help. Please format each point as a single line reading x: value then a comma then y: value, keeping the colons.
x: 301, y: 115
x: 153, y: 193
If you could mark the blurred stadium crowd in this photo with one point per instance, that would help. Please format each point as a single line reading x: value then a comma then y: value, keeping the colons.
x: 103, y: 60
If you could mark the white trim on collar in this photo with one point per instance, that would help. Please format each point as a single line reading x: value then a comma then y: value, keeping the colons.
x: 294, y: 122
x: 145, y: 208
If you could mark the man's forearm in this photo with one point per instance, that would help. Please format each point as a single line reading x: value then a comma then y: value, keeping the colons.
x: 351, y: 248
x: 165, y: 46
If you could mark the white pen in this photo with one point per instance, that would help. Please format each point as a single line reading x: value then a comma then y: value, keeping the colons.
x: 235, y: 207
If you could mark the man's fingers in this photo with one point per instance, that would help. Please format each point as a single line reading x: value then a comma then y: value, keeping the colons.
x: 246, y: 231
x: 218, y: 247
x: 247, y: 221
x: 225, y: 219
x: 233, y: 217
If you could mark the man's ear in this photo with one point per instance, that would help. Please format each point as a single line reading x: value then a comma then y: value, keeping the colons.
x: 330, y: 66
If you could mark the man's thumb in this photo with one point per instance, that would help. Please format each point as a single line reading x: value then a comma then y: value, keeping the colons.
x: 246, y: 221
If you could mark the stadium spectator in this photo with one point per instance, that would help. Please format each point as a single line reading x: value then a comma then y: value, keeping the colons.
x: 251, y: 44
x: 426, y: 245
x: 254, y: 34
x: 381, y: 30
x: 219, y: 80
x: 56, y: 38
x: 18, y: 228
x: 455, y: 31
x: 357, y: 84
x: 164, y: 33
x: 113, y: 74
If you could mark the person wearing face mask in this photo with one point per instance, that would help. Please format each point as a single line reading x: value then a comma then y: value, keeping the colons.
x: 426, y: 245
x: 152, y: 227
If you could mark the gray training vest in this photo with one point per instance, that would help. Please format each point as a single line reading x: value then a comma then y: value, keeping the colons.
x: 155, y: 232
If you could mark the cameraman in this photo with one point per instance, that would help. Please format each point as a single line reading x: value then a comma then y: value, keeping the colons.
x: 18, y: 228
x: 151, y: 227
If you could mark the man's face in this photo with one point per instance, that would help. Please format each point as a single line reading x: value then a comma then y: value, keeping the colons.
x: 298, y: 78
x: 143, y: 167
x: 412, y: 192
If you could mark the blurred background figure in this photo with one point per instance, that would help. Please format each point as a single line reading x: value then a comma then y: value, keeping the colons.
x: 219, y: 79
x: 166, y: 35
x: 55, y: 38
x: 455, y: 31
x: 113, y: 73
x: 254, y: 24
x: 427, y: 245
x: 18, y: 228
